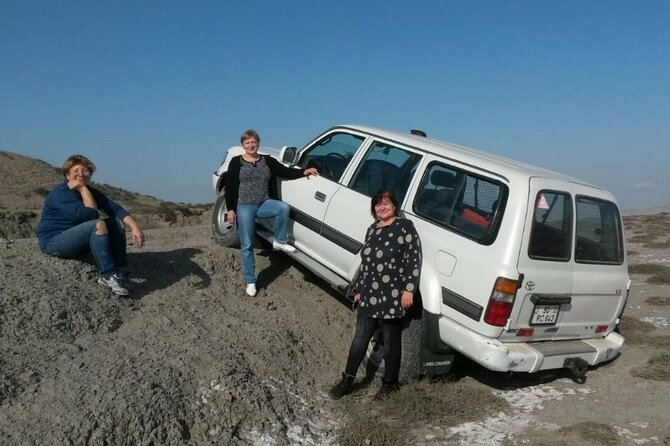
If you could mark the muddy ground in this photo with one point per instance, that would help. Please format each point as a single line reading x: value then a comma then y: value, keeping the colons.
x: 191, y: 360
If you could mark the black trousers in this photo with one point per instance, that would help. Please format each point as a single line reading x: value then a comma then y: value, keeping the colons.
x: 392, y: 334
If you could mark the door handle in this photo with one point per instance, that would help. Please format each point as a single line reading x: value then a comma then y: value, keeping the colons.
x: 320, y: 196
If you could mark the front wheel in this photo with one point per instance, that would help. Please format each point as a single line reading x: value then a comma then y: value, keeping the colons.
x: 224, y: 233
x: 410, y: 361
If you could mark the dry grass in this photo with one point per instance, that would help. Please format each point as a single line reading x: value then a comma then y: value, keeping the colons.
x: 658, y: 274
x: 586, y: 433
x: 638, y: 332
x: 417, y: 404
x: 658, y: 300
x: 657, y: 368
x: 643, y: 238
x: 647, y: 268
x: 658, y: 245
x: 649, y: 230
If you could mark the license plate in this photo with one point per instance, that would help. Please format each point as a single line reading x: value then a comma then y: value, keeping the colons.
x: 545, y: 314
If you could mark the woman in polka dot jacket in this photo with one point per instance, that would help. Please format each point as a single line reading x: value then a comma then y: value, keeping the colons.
x: 388, y: 279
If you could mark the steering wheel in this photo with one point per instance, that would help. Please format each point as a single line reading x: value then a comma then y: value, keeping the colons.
x: 323, y: 168
x: 338, y: 155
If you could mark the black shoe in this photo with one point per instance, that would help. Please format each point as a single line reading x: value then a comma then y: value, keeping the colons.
x: 386, y: 390
x: 344, y: 387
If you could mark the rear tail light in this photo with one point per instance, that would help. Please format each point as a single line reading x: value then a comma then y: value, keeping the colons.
x: 501, y: 302
x: 525, y: 332
x: 601, y: 328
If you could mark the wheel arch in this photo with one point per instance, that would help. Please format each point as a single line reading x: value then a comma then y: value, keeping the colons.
x: 430, y: 290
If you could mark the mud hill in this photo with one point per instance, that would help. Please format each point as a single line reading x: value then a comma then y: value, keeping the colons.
x: 189, y: 359
x: 25, y: 181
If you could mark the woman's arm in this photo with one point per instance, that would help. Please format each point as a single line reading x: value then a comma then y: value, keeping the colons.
x: 87, y: 197
x: 278, y: 169
x: 108, y: 206
x: 232, y: 188
x: 411, y: 261
x: 67, y: 201
x: 360, y: 278
x: 135, y: 230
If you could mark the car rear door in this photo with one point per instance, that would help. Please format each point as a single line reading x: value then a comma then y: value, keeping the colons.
x: 559, y: 297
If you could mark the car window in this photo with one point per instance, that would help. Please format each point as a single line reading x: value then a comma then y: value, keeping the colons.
x: 461, y: 201
x: 331, y: 155
x: 551, y: 234
x: 385, y: 166
x: 599, y: 235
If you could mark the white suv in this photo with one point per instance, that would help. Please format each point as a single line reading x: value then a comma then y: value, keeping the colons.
x: 524, y: 269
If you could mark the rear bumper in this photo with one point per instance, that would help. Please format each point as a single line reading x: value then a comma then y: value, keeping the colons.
x: 526, y: 357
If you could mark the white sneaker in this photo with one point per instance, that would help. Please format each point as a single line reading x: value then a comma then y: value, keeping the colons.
x: 251, y: 289
x: 278, y: 246
x: 115, y: 283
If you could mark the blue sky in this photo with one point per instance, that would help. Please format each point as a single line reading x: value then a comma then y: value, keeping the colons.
x: 154, y: 91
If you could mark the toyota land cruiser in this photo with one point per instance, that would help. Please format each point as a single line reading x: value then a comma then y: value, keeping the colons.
x: 524, y: 269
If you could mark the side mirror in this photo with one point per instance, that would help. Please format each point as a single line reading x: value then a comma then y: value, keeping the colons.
x: 287, y: 155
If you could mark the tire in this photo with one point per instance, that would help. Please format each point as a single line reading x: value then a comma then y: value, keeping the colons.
x: 223, y: 232
x: 411, y: 351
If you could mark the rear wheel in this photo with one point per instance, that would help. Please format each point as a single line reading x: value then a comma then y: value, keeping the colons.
x: 224, y: 233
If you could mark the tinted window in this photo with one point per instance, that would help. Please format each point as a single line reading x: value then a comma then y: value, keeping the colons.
x: 461, y: 201
x: 332, y: 154
x: 599, y: 236
x: 385, y: 166
x: 551, y: 234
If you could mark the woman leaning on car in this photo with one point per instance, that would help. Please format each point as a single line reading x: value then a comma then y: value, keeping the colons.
x: 387, y: 280
x: 247, y: 194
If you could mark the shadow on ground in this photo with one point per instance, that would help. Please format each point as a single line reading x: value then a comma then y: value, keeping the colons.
x: 152, y: 271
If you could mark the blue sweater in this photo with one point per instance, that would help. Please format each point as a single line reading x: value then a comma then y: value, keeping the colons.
x: 64, y: 209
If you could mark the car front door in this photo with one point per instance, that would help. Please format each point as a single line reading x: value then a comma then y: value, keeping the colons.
x: 309, y: 198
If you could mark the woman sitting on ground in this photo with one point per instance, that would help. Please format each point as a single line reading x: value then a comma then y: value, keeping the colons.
x: 77, y: 218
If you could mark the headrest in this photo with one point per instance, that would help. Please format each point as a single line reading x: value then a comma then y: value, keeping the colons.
x: 442, y: 178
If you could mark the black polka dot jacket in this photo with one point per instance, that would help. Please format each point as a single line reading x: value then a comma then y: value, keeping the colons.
x: 391, y: 264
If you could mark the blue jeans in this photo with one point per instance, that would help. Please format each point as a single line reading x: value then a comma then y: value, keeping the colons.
x: 109, y: 250
x: 246, y: 227
x: 392, y: 334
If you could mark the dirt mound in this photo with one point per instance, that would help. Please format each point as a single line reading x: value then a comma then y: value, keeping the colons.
x: 189, y: 359
x: 25, y: 181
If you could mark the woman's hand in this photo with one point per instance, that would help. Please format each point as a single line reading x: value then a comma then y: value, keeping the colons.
x: 406, y: 300
x: 231, y: 217
x: 357, y: 297
x: 138, y: 236
x: 77, y: 184
x: 135, y: 230
x: 86, y: 195
x: 310, y: 171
